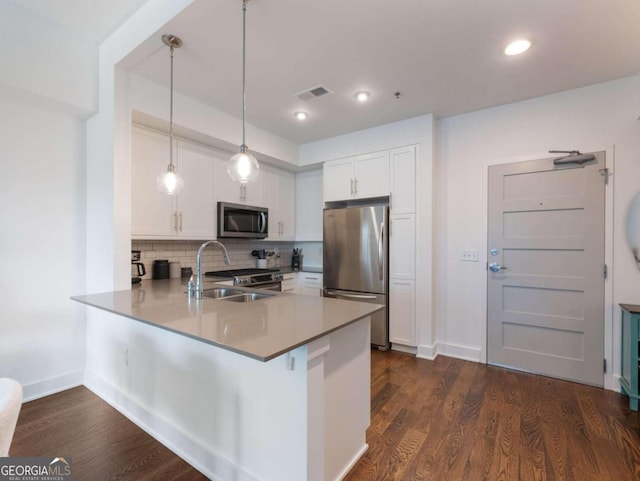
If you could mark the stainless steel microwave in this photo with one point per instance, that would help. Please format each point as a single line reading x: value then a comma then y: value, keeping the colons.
x: 242, y: 221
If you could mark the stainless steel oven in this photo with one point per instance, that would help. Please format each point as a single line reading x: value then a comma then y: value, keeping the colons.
x: 269, y: 286
x: 242, y: 221
x: 270, y: 279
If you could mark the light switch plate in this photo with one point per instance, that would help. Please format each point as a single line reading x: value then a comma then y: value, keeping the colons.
x: 469, y: 255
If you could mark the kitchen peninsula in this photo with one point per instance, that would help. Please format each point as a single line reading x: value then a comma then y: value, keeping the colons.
x: 274, y: 389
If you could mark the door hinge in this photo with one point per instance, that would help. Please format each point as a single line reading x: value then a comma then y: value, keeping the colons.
x: 604, y: 365
x: 605, y: 173
x: 605, y: 271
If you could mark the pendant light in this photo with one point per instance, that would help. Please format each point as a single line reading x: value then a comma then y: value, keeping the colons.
x: 170, y: 182
x: 243, y: 167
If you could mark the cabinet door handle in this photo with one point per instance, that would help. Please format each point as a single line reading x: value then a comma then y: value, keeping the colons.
x: 180, y: 220
x: 351, y: 191
x: 355, y: 183
x: 175, y: 220
x: 312, y: 278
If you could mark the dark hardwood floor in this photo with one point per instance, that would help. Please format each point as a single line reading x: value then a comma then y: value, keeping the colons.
x: 102, y: 443
x: 442, y: 420
x: 451, y: 420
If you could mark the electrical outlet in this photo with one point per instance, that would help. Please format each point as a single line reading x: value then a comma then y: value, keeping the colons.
x: 469, y: 255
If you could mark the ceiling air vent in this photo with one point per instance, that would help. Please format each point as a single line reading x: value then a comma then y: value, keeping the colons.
x: 313, y: 93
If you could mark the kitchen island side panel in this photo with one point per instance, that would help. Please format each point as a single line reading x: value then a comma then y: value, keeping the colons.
x: 230, y: 416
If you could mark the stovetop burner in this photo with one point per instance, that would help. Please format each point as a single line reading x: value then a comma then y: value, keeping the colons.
x: 230, y: 273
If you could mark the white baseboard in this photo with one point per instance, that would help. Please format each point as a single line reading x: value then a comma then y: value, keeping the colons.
x: 352, y: 463
x: 427, y: 352
x: 403, y: 348
x: 53, y: 385
x: 459, y: 352
x: 213, y: 465
x: 615, y: 384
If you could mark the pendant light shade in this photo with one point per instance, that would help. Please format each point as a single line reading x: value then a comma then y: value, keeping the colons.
x: 170, y: 182
x: 243, y: 167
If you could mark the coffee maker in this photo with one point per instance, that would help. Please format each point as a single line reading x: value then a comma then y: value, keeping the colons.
x: 296, y: 259
x: 137, y: 268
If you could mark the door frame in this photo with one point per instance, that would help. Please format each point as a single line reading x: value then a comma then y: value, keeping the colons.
x: 608, y: 252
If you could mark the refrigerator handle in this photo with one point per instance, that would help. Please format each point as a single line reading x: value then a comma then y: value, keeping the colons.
x: 381, y: 252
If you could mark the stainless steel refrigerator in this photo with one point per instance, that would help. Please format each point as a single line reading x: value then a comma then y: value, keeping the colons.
x: 355, y: 261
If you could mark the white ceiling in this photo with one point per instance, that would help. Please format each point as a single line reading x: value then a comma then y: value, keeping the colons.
x: 444, y: 56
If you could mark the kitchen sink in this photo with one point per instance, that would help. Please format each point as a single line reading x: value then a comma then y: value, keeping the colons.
x: 248, y: 297
x: 221, y: 292
x: 234, y: 295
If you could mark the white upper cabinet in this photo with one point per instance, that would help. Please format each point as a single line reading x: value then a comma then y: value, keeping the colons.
x: 196, y: 203
x: 280, y: 198
x: 360, y: 177
x: 189, y: 215
x: 372, y: 175
x: 338, y: 179
x: 309, y: 205
x: 228, y: 190
x: 152, y: 211
x: 402, y: 165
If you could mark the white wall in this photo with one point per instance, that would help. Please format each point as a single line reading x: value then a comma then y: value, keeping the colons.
x: 598, y: 117
x: 48, y: 84
x: 42, y: 246
x: 47, y: 60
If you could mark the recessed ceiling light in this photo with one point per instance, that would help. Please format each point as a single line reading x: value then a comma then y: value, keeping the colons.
x: 300, y: 115
x: 362, y: 96
x: 517, y: 47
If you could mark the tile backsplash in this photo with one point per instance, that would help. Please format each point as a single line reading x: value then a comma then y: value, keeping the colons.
x: 212, y: 258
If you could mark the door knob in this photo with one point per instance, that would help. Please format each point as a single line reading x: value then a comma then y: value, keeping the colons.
x: 495, y: 267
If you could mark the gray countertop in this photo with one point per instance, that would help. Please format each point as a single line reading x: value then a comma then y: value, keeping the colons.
x: 262, y: 329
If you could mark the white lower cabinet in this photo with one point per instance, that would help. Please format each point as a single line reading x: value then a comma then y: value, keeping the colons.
x: 402, y: 312
x: 310, y: 284
x: 289, y: 282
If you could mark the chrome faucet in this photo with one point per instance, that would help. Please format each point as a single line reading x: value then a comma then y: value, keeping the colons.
x: 198, y: 286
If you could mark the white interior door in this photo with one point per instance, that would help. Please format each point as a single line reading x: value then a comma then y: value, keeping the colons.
x: 545, y: 306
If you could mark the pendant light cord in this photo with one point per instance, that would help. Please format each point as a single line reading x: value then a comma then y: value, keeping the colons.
x: 171, y: 167
x: 244, y: 62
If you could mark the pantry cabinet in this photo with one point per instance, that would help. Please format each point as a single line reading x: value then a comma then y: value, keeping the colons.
x: 402, y: 246
x: 402, y: 168
x: 188, y: 215
x: 402, y: 312
x: 359, y: 177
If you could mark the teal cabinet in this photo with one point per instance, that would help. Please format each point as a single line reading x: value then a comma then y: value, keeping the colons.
x: 630, y: 347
